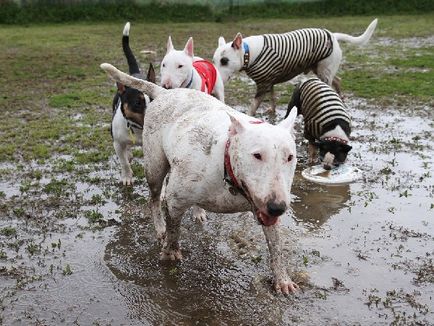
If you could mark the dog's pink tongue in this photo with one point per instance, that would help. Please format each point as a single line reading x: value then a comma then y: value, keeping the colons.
x: 267, y: 220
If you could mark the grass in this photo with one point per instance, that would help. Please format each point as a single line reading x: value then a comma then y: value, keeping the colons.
x: 56, y: 100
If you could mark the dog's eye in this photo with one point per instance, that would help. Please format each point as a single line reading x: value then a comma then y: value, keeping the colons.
x: 290, y: 157
x: 224, y: 61
x: 258, y: 156
x: 164, y: 65
x: 180, y: 66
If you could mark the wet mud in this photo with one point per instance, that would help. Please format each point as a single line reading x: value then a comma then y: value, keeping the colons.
x: 78, y: 248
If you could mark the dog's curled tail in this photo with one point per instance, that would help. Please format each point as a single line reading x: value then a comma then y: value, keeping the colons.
x: 150, y: 89
x: 362, y: 39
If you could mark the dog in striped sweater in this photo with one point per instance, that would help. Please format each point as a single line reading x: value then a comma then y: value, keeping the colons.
x: 327, y: 125
x: 271, y: 59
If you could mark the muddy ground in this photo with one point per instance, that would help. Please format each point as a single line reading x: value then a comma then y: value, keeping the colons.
x: 76, y: 247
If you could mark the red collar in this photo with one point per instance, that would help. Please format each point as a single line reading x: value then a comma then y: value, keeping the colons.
x: 229, y: 176
x: 332, y: 138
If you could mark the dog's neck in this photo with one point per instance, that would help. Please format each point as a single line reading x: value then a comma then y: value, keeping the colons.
x: 193, y: 81
x: 336, y: 134
x: 251, y: 47
x: 229, y: 175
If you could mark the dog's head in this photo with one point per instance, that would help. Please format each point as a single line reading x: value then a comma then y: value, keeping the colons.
x: 263, y: 158
x: 133, y: 101
x: 228, y: 57
x: 332, y: 153
x: 177, y: 66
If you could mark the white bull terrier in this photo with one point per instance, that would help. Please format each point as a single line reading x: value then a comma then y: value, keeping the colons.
x: 219, y: 159
x: 271, y: 59
x: 181, y: 69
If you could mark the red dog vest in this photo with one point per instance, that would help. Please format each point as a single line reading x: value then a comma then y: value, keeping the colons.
x: 208, y: 74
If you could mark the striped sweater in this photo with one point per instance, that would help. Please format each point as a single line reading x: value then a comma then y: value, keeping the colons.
x: 284, y: 56
x: 321, y: 107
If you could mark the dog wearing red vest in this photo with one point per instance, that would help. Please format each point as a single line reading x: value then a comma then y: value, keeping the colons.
x: 181, y: 69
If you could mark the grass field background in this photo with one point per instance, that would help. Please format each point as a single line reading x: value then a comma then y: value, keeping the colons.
x: 50, y: 77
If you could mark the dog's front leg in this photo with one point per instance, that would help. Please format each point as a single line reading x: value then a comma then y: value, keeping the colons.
x: 122, y: 151
x: 255, y: 104
x: 282, y: 281
x: 272, y: 108
x: 312, y: 153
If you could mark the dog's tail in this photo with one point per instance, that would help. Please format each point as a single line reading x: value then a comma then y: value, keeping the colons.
x: 150, y: 89
x: 132, y: 63
x: 362, y: 39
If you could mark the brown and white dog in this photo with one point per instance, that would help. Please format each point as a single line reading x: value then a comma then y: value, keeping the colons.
x: 129, y: 106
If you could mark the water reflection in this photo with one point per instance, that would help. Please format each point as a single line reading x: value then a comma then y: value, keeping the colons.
x: 315, y: 204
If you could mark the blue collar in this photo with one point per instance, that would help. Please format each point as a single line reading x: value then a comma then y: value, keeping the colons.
x: 191, y: 80
x: 246, y: 47
x: 246, y: 57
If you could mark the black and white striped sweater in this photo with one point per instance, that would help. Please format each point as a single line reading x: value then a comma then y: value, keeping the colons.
x: 321, y: 107
x: 284, y: 56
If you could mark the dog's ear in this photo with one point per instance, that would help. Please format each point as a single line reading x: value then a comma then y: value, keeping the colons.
x: 169, y: 46
x: 188, y: 49
x: 221, y: 41
x: 289, y: 122
x: 121, y: 87
x: 346, y: 148
x: 151, y: 74
x: 238, y: 40
x: 236, y: 126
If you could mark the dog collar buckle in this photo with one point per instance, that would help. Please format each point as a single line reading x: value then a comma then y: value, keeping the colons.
x: 246, y: 57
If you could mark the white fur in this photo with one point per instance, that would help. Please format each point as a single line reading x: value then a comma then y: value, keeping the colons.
x: 336, y: 132
x: 326, y: 68
x: 186, y: 133
x: 126, y: 31
x: 177, y: 70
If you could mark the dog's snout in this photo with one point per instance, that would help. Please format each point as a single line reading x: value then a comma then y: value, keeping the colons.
x: 275, y: 209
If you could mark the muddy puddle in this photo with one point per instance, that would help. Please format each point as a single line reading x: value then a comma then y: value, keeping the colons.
x: 80, y: 249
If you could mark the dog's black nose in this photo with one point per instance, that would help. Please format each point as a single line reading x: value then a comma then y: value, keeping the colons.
x: 275, y: 209
x: 327, y: 167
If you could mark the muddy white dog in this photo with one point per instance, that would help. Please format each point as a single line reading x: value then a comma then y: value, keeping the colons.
x: 271, y: 59
x: 181, y: 69
x: 222, y: 160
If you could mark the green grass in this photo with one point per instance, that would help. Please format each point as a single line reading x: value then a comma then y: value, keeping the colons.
x: 55, y: 99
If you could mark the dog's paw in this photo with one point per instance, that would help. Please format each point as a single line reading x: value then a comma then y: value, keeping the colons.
x: 199, y: 214
x: 170, y: 254
x: 285, y: 286
x: 127, y: 181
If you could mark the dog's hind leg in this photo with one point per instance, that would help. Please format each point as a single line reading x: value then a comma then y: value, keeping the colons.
x: 156, y: 168
x: 172, y: 210
x: 282, y: 281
